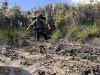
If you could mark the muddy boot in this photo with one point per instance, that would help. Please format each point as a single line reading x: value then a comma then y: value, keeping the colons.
x: 36, y: 39
x: 37, y: 36
x: 46, y: 37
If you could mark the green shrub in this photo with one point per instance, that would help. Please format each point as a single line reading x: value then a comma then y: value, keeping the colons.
x: 12, y: 36
x: 91, y: 29
x: 56, y: 34
x: 84, y: 30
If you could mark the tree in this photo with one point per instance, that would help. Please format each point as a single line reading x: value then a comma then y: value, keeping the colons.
x: 4, y: 5
x: 60, y: 11
x: 3, y: 10
x: 16, y: 15
x: 49, y: 13
x: 2, y: 17
x: 41, y: 10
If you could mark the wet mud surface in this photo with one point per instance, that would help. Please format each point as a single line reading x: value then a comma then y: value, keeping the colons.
x: 54, y: 57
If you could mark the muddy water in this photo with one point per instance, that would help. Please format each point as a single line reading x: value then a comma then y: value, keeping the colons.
x: 12, y: 71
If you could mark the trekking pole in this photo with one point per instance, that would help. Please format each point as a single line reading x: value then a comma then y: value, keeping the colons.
x: 30, y: 24
x: 28, y: 27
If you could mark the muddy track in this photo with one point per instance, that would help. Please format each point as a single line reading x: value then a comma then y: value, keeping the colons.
x: 59, y: 57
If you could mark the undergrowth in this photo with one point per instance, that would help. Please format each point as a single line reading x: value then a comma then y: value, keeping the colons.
x: 13, y: 37
x: 77, y: 32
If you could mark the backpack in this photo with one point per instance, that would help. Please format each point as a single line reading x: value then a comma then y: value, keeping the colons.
x: 43, y: 18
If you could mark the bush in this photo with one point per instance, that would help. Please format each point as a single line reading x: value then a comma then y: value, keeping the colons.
x: 83, y: 31
x: 57, y: 34
x: 12, y: 36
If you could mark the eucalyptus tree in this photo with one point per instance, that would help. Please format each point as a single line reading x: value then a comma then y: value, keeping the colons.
x: 16, y: 15
x: 49, y: 13
x: 3, y: 9
x: 61, y: 10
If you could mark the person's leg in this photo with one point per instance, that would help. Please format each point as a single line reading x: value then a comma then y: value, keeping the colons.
x: 37, y: 36
x: 45, y: 37
x: 44, y: 33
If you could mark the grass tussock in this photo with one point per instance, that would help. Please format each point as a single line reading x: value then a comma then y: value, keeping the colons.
x: 91, y: 29
x: 56, y: 34
x: 12, y: 32
x: 12, y: 37
x: 76, y: 32
x: 82, y: 31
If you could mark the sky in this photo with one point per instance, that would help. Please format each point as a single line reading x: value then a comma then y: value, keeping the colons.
x: 85, y: 1
x: 28, y: 4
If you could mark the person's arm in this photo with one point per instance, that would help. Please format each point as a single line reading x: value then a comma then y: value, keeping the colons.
x: 49, y: 26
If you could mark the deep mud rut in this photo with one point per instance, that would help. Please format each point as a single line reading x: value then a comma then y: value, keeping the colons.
x: 54, y: 57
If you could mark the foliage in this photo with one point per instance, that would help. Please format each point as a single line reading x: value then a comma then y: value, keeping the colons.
x: 84, y: 30
x: 49, y: 13
x: 12, y: 36
x: 57, y: 34
x: 71, y: 21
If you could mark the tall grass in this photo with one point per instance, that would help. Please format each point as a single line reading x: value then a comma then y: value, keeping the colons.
x: 57, y: 34
x: 12, y: 36
x: 13, y: 32
x: 3, y: 33
x: 91, y: 29
x: 80, y: 32
x: 76, y: 32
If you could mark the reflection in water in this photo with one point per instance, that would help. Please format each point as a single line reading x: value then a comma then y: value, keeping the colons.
x: 12, y: 71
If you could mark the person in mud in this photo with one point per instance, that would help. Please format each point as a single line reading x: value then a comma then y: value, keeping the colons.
x: 40, y: 27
